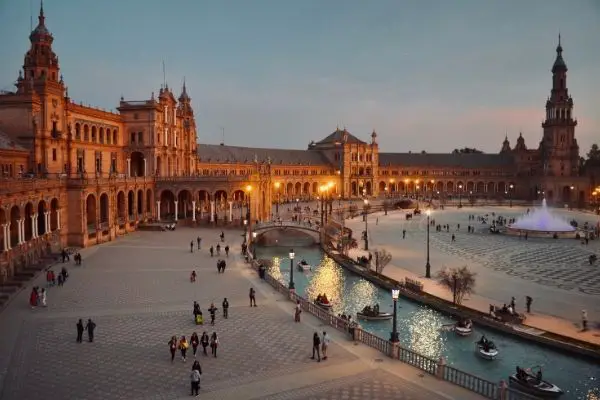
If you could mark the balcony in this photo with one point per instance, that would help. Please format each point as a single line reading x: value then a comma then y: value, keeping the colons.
x: 83, y: 179
x: 20, y: 185
x: 203, y: 178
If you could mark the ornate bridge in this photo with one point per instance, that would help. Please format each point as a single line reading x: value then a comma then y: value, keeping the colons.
x: 311, y: 228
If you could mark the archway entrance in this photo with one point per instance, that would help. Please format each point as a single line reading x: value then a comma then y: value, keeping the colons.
x: 54, y: 215
x: 167, y: 205
x: 140, y: 202
x: 121, y: 207
x: 28, y: 218
x: 90, y: 214
x: 15, y: 219
x: 41, y: 219
x: 104, y: 211
x: 184, y: 204
x: 137, y: 165
x: 221, y: 205
x: 3, y: 238
x: 131, y: 205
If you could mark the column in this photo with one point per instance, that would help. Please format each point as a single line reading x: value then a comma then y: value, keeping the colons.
x: 5, y: 239
x: 128, y: 167
x: 34, y: 219
x: 48, y: 221
x: 185, y: 209
x: 158, y: 210
x: 231, y: 211
x: 145, y: 165
x: 21, y: 223
x: 193, y: 210
x: 176, y: 210
x: 8, y: 243
x: 57, y: 218
x: 212, y: 211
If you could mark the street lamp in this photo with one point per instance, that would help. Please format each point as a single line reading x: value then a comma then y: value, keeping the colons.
x: 394, y: 336
x: 428, y: 265
x: 366, y: 225
x: 510, y: 189
x: 248, y: 215
x: 406, y: 182
x: 460, y: 196
x: 277, y: 186
x: 291, y: 286
x: 253, y: 245
x: 245, y: 229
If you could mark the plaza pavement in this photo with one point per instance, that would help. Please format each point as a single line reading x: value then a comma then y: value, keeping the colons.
x: 138, y: 292
x: 555, y: 273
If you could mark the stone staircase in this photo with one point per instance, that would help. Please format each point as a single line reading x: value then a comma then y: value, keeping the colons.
x: 20, y: 279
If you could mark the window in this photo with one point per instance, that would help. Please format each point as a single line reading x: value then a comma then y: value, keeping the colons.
x: 113, y: 165
x: 98, y: 165
x: 53, y: 154
x: 140, y: 137
x: 54, y: 129
x: 132, y: 137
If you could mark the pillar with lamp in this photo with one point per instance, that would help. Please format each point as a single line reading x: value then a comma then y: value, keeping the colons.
x: 427, y: 264
x: 460, y: 187
x: 510, y: 189
x: 406, y: 182
x: 253, y: 244
x: 394, y: 337
x: 277, y: 187
x: 248, y: 213
x: 292, y: 285
x: 366, y: 235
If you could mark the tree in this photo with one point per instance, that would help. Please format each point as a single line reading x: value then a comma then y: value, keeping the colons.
x: 593, y: 157
x: 460, y: 281
x: 467, y: 150
x: 382, y: 258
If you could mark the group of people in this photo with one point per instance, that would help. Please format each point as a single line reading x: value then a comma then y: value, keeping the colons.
x: 183, y: 345
x: 486, y: 344
x: 368, y: 310
x: 221, y: 264
x: 53, y: 280
x: 218, y: 248
x: 322, y: 298
x: 37, y: 297
x: 90, y: 326
x: 67, y: 257
x: 212, y: 310
x: 320, y: 345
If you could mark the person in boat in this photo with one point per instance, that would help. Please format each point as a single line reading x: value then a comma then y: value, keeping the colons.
x: 303, y: 262
x: 483, y: 340
x: 367, y: 310
x: 538, y: 376
x: 521, y: 374
x: 324, y: 299
x: 319, y: 298
x: 376, y: 309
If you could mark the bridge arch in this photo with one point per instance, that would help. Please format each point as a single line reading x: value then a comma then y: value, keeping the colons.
x: 285, y: 228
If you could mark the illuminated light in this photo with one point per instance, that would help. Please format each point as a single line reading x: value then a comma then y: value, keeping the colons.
x: 395, y: 294
x: 248, y: 188
x: 330, y: 184
x: 292, y: 254
x: 277, y: 184
x: 245, y: 222
x: 366, y: 202
x: 428, y: 212
x: 254, y: 235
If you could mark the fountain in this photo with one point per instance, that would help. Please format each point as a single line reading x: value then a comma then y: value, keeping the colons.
x: 541, y: 223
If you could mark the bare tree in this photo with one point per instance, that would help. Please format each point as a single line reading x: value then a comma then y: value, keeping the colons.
x: 460, y: 281
x: 382, y: 258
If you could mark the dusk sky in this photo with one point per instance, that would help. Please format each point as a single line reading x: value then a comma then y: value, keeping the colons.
x: 426, y: 75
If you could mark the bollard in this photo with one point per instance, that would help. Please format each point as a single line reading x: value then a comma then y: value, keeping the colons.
x: 394, y: 350
x: 441, y: 368
x: 503, y: 390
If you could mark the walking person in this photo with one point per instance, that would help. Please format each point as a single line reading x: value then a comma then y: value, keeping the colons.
x: 212, y: 251
x: 225, y: 308
x: 204, y: 341
x: 199, y: 241
x: 252, y: 296
x: 183, y: 346
x: 195, y: 378
x: 227, y: 251
x: 80, y: 329
x: 195, y: 341
x: 173, y: 347
x: 324, y: 345
x: 316, y: 347
x: 584, y: 320
x: 223, y: 265
x: 213, y: 311
x: 218, y: 266
x: 528, y: 301
x: 43, y: 297
x: 192, y: 246
x: 218, y: 249
x: 90, y: 327
x: 297, y: 311
x: 214, y: 343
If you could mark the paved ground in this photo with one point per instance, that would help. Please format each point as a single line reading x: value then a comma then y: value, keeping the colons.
x: 556, y: 273
x: 138, y: 292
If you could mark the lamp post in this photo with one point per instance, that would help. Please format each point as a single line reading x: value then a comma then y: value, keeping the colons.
x: 245, y: 230
x: 292, y: 286
x: 460, y: 196
x: 394, y: 336
x: 248, y: 214
x: 254, y: 245
x: 277, y: 186
x: 428, y: 265
x: 366, y: 225
x: 298, y: 210
x: 510, y: 189
x: 406, y: 182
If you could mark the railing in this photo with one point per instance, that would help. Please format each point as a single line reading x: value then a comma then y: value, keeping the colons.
x: 284, y: 224
x: 16, y: 185
x: 203, y: 178
x: 91, y: 179
x: 437, y: 368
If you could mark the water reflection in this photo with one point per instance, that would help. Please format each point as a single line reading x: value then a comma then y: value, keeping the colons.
x: 423, y: 333
x: 327, y: 279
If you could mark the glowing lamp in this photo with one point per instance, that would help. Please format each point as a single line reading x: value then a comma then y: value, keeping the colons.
x: 292, y: 254
x: 395, y: 294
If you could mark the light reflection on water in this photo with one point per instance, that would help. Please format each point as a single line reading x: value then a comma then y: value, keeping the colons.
x: 419, y: 326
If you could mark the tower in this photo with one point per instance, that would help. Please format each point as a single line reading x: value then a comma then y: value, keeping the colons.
x: 559, y: 149
x: 186, y: 112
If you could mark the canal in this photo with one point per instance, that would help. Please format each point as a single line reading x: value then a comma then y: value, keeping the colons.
x: 419, y: 326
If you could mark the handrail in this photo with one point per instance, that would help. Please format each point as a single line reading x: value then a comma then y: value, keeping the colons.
x: 438, y: 368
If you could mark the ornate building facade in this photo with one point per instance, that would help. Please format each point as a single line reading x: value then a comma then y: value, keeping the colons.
x: 76, y: 175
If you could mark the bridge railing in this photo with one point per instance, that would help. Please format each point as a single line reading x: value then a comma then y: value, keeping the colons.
x: 299, y: 224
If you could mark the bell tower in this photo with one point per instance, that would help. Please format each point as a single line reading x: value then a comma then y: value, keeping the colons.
x: 559, y: 148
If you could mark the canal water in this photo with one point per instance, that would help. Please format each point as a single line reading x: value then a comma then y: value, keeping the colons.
x: 419, y: 326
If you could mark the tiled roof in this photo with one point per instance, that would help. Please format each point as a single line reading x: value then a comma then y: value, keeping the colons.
x: 6, y: 143
x: 338, y: 136
x: 454, y: 160
x: 234, y: 154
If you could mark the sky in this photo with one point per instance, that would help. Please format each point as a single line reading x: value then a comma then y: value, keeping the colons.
x: 424, y: 74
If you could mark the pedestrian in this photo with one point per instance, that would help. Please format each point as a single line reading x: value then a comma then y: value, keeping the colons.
x: 227, y: 251
x: 79, y: 331
x: 193, y: 276
x: 33, y: 298
x: 324, y: 345
x: 252, y: 297
x: 513, y: 303
x: 218, y: 249
x: 183, y: 346
x: 214, y: 343
x: 199, y: 241
x: 528, y: 301
x: 89, y: 327
x: 403, y: 233
x: 204, y: 340
x: 218, y: 266
x: 195, y: 341
x: 584, y: 319
x: 297, y: 311
x: 43, y: 297
x: 212, y: 310
x: 225, y: 308
x: 223, y: 265
x: 173, y: 347
x: 195, y: 378
x: 212, y: 251
x: 453, y: 238
x: 316, y: 347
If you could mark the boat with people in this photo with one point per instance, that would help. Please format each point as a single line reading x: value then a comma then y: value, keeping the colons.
x: 323, y: 301
x: 373, y: 314
x: 486, y: 348
x: 531, y: 381
x: 464, y: 327
x: 304, y: 266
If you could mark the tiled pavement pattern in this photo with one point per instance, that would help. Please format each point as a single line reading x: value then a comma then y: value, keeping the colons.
x: 375, y: 385
x: 557, y: 263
